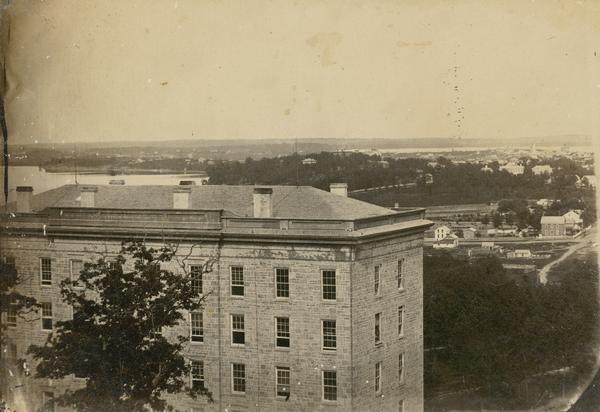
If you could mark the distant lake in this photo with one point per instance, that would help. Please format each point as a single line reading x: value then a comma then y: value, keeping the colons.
x: 42, y: 181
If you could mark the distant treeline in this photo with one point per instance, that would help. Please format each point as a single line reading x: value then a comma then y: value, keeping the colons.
x: 452, y: 183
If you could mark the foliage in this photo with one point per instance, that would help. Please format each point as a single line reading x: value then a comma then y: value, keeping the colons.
x: 483, y: 330
x: 9, y: 297
x: 113, y: 340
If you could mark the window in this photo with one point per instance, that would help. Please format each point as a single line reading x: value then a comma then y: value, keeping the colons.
x: 237, y: 281
x: 329, y: 335
x: 196, y: 327
x: 76, y: 266
x: 196, y: 275
x: 400, y: 320
x: 330, y: 385
x: 401, y: 368
x: 12, y: 351
x: 11, y: 312
x: 9, y: 261
x: 329, y: 291
x: 283, y: 332
x: 46, y: 316
x: 238, y: 334
x: 48, y: 401
x: 282, y: 283
x: 238, y: 378
x: 378, y: 377
x: 282, y: 384
x: 400, y: 274
x: 378, y: 328
x: 377, y: 278
x: 197, y: 374
x: 46, y: 271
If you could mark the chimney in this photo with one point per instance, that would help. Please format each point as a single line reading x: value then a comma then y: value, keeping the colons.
x: 181, y: 198
x: 340, y: 189
x: 88, y: 196
x: 263, y: 202
x: 24, y: 195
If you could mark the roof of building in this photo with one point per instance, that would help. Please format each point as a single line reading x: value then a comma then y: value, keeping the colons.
x: 553, y: 219
x: 301, y: 202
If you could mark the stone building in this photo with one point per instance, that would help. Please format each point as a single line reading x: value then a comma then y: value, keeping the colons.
x: 315, y: 301
x: 553, y: 226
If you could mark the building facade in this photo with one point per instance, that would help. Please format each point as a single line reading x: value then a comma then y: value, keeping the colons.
x: 314, y: 302
x: 553, y: 226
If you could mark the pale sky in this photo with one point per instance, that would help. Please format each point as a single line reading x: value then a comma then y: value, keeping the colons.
x: 84, y: 70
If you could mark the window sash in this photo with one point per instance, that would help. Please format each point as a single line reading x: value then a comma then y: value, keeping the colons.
x: 237, y: 280
x: 377, y: 327
x: 400, y: 274
x: 238, y: 333
x: 330, y: 385
x: 46, y: 271
x: 196, y: 277
x: 282, y: 384
x: 282, y: 282
x: 11, y: 313
x: 401, y: 367
x: 329, y: 335
x: 377, y: 278
x: 197, y: 327
x: 282, y: 326
x: 378, y: 377
x: 47, y: 316
x: 329, y: 284
x: 197, y: 374
x: 400, y: 320
x: 238, y: 378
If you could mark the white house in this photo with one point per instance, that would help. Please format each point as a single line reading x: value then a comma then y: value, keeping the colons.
x: 519, y: 253
x: 572, y: 218
x: 449, y: 242
x: 513, y: 168
x: 441, y: 232
x: 542, y: 169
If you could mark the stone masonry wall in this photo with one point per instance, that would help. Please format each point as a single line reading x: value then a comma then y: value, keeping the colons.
x: 365, y: 304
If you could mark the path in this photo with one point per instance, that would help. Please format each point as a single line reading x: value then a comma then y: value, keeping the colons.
x: 586, y: 240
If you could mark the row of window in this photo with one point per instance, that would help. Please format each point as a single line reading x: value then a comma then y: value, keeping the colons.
x: 282, y: 330
x: 283, y: 379
x: 238, y: 329
x: 282, y: 278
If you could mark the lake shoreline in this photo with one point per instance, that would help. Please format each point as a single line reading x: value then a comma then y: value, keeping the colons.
x: 112, y: 171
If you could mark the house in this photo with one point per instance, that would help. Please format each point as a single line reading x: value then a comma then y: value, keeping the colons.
x: 513, y: 168
x: 553, y: 226
x: 487, y: 245
x: 309, y: 161
x: 545, y: 203
x: 542, y: 169
x: 291, y: 275
x: 520, y: 254
x: 449, y: 242
x: 507, y: 230
x: 441, y: 232
x: 487, y: 169
x: 572, y: 218
x: 469, y: 233
x: 590, y: 180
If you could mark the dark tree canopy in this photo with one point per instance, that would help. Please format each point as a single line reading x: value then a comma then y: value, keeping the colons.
x: 114, y: 340
x: 483, y: 330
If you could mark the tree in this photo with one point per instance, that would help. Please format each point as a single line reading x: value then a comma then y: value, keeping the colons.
x: 114, y: 340
x: 14, y: 305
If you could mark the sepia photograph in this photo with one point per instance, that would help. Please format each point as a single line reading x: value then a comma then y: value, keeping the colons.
x: 299, y: 205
